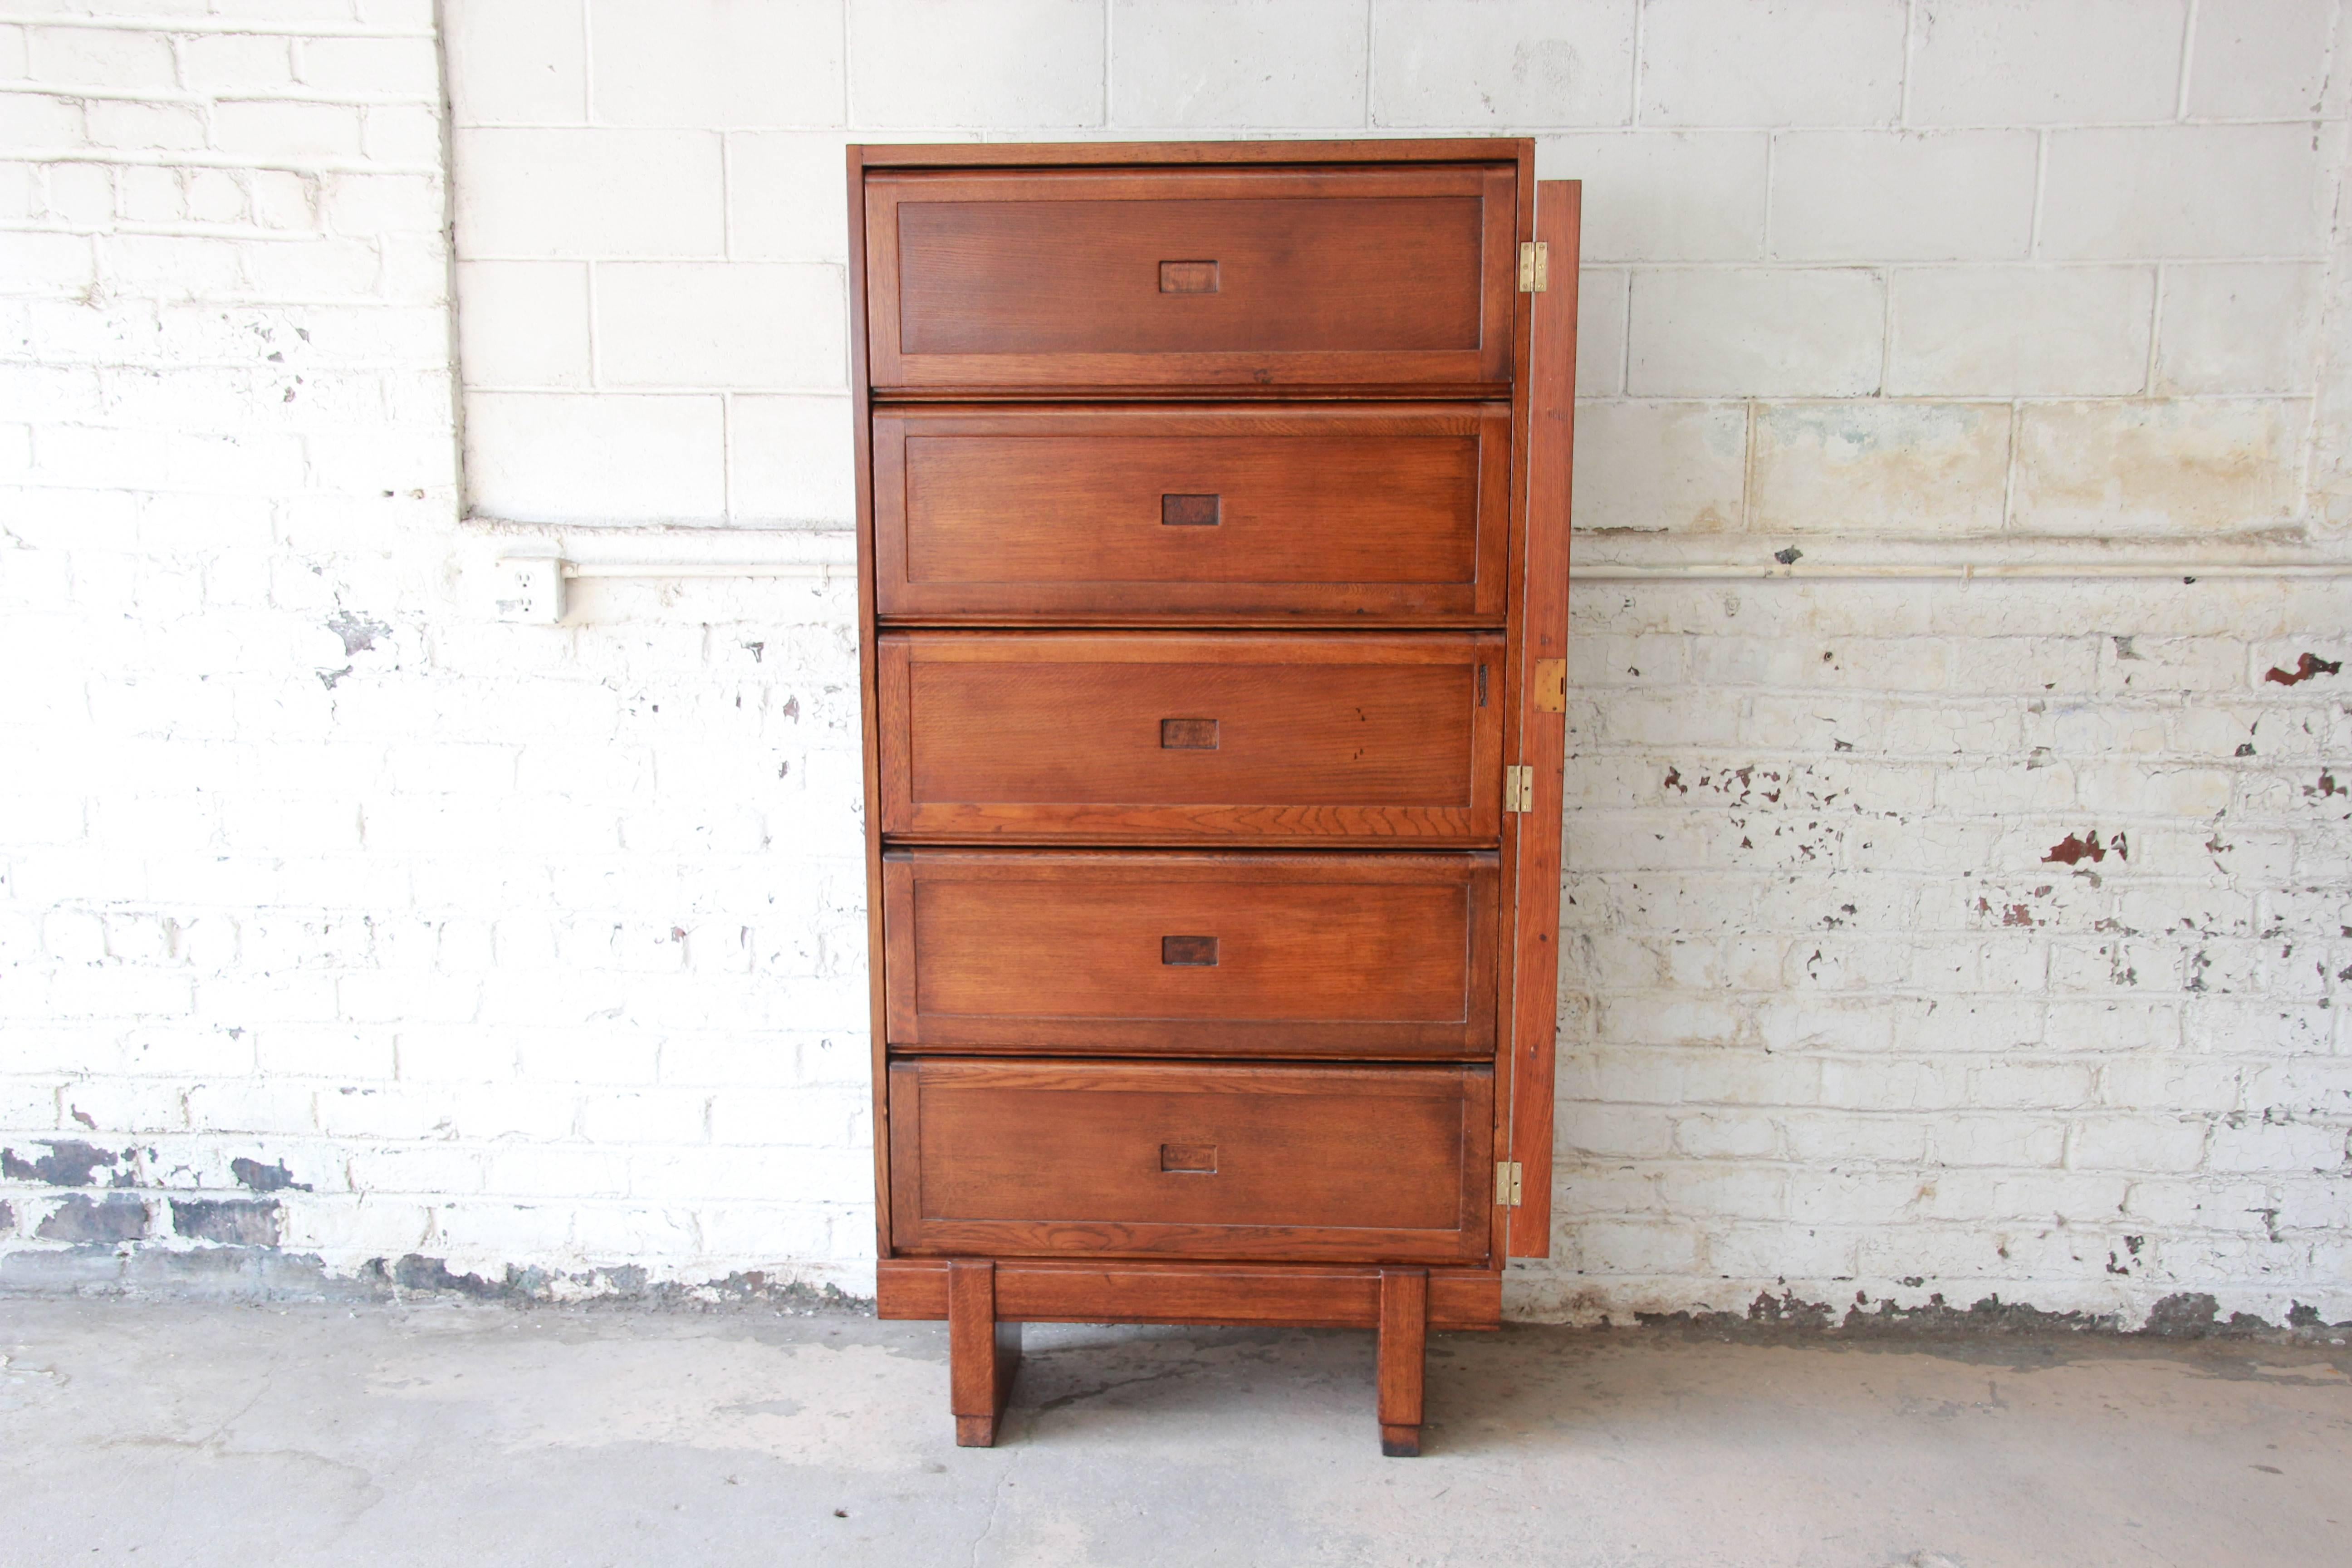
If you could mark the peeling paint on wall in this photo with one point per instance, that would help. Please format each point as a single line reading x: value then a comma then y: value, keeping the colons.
x: 117, y: 1217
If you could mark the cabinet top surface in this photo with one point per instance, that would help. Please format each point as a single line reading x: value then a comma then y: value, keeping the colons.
x: 1373, y: 150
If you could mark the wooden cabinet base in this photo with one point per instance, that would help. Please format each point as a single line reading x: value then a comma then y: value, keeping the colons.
x: 985, y: 1302
x: 983, y: 1352
x: 1404, y: 1336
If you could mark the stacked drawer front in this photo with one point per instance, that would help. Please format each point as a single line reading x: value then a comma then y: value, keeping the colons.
x: 1190, y: 562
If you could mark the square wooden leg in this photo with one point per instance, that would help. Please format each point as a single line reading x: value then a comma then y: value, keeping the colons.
x: 982, y: 1354
x: 1404, y: 1335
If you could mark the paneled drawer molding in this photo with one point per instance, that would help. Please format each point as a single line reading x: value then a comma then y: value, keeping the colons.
x: 1118, y: 279
x: 1128, y: 1160
x: 1174, y: 738
x: 1307, y: 955
x: 1299, y: 512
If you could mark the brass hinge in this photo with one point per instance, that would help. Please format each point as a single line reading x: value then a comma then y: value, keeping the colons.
x: 1552, y: 686
x: 1535, y: 266
x: 1508, y: 1178
x: 1520, y: 788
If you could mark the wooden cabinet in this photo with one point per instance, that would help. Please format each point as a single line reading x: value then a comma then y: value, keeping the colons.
x: 1213, y: 564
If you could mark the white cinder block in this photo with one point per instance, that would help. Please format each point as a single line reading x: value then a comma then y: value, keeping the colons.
x: 2049, y: 62
x: 2003, y: 332
x: 941, y: 62
x: 1880, y: 468
x: 1600, y: 332
x: 1507, y: 64
x: 2238, y: 327
x: 594, y: 457
x: 716, y: 62
x: 1680, y: 466
x: 2258, y: 60
x: 1863, y: 195
x: 522, y: 324
x: 1665, y: 196
x: 1238, y: 63
x: 788, y: 195
x: 525, y: 195
x: 790, y: 460
x: 2184, y: 191
x: 1772, y: 62
x: 739, y: 324
x: 516, y: 62
x: 2156, y: 467
x: 1755, y: 332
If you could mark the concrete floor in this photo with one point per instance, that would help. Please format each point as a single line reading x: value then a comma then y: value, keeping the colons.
x: 194, y: 1435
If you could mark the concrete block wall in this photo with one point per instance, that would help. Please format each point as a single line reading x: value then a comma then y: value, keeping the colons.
x: 1926, y: 937
x: 1835, y: 250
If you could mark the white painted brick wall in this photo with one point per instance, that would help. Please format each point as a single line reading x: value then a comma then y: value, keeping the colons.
x: 543, y: 949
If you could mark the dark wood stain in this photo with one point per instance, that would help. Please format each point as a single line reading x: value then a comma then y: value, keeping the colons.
x: 1191, y: 511
x: 1188, y: 951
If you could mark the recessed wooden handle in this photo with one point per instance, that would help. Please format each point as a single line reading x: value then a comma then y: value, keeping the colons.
x: 1188, y: 277
x: 1188, y: 951
x: 1192, y: 511
x: 1187, y: 734
x: 1189, y: 1159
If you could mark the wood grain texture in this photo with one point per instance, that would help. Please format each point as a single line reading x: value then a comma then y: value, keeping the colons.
x: 1042, y: 1158
x: 1296, y: 1295
x: 1052, y: 277
x: 869, y: 704
x: 1404, y: 1337
x: 1330, y: 512
x: 1313, y: 955
x: 1543, y: 735
x: 983, y: 1352
x: 1056, y: 736
x: 1516, y: 667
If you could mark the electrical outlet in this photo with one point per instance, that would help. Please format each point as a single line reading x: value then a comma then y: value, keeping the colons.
x: 528, y: 590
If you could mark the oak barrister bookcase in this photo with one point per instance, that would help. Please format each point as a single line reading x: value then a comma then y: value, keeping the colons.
x: 1213, y: 527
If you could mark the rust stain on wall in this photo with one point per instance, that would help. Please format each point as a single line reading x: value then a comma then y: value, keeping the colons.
x: 2080, y: 846
x: 2306, y: 666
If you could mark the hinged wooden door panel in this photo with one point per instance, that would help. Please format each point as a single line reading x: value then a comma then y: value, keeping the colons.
x: 1543, y: 724
x: 1312, y: 955
x: 1158, y: 737
x: 1312, y: 510
x: 1120, y: 279
x: 1117, y: 1159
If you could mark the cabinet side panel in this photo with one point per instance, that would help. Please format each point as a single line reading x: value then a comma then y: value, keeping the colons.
x: 869, y: 719
x: 1543, y: 730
